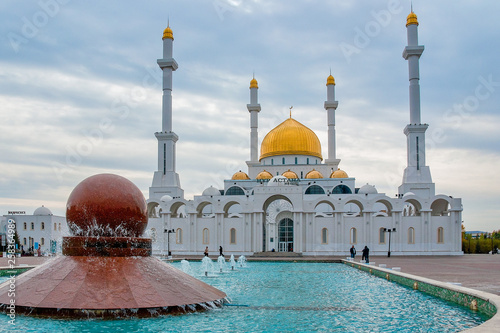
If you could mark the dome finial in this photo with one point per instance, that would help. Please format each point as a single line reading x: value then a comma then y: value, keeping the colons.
x: 167, y: 33
x: 253, y: 82
x: 291, y: 107
x: 412, y: 17
x: 330, y: 80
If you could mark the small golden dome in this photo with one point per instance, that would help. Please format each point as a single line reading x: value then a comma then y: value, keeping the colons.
x: 167, y: 33
x: 240, y: 175
x: 411, y: 19
x: 339, y: 174
x: 330, y: 80
x: 290, y: 174
x: 290, y: 138
x: 254, y: 84
x: 264, y: 175
x: 314, y: 174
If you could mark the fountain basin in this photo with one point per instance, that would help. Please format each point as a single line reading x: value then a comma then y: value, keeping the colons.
x: 83, y: 286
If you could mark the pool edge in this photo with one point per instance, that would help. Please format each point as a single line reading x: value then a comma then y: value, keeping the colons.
x: 477, y: 300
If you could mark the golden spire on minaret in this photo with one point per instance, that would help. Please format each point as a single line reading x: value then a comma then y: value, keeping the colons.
x: 167, y: 33
x: 412, y: 17
x: 253, y: 83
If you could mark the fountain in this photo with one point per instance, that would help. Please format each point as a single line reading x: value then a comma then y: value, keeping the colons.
x: 233, y: 263
x: 186, y: 267
x: 107, y: 269
x: 222, y: 263
x: 242, y: 260
x: 207, y: 265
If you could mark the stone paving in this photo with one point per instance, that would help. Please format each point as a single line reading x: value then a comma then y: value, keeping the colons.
x: 476, y: 271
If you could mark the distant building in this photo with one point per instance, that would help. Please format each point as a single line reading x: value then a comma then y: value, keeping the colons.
x: 292, y: 199
x: 477, y: 234
x: 41, y: 230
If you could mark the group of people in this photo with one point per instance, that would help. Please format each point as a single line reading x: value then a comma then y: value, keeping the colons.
x: 206, y: 251
x: 365, y: 253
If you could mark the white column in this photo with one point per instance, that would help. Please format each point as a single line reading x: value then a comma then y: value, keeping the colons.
x: 165, y: 179
x: 254, y: 108
x: 330, y: 106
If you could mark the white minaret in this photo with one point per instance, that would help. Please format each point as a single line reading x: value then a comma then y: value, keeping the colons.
x: 417, y: 176
x: 330, y: 106
x: 166, y: 180
x: 254, y: 109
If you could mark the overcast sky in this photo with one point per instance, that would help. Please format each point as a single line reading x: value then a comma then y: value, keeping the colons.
x: 80, y: 91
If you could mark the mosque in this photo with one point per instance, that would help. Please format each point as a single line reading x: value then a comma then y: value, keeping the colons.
x: 293, y: 199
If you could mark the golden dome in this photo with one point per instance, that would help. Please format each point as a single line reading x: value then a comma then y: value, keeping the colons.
x: 240, y: 175
x: 264, y: 175
x: 314, y: 174
x: 254, y: 84
x: 290, y: 174
x: 411, y: 19
x: 330, y: 80
x: 167, y: 33
x: 290, y: 138
x: 339, y: 174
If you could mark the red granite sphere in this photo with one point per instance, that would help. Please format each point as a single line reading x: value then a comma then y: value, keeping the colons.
x: 106, y: 205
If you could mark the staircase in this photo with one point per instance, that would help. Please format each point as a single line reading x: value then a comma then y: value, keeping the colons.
x: 269, y: 254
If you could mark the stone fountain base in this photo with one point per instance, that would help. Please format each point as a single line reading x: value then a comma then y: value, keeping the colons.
x: 87, y: 286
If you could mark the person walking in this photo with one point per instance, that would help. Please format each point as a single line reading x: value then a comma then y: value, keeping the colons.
x: 353, y: 252
x: 220, y: 251
x: 206, y: 252
x: 366, y: 252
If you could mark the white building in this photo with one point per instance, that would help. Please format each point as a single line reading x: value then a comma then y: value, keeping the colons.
x: 293, y: 199
x: 41, y: 230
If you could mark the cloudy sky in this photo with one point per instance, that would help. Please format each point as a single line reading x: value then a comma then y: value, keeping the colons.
x: 80, y: 91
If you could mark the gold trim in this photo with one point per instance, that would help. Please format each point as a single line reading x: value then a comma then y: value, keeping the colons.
x: 167, y: 33
x: 411, y: 19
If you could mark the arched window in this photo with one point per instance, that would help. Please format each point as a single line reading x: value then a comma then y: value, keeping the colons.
x: 315, y: 189
x: 272, y: 161
x: 59, y: 226
x: 308, y: 160
x: 178, y: 236
x: 283, y: 160
x: 42, y: 225
x: 295, y: 160
x: 232, y: 236
x: 206, y: 236
x: 354, y: 236
x: 55, y: 226
x: 42, y: 241
x: 381, y: 236
x: 32, y: 226
x: 411, y: 235
x: 24, y: 241
x: 440, y: 235
x: 324, y: 236
x: 341, y: 189
x: 234, y: 190
x: 25, y: 226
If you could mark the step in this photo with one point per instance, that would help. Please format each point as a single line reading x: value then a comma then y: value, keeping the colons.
x: 276, y: 254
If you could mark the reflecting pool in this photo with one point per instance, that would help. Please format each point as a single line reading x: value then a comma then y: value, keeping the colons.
x: 289, y: 296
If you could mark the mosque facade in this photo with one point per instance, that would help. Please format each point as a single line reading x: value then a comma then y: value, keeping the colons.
x: 293, y: 199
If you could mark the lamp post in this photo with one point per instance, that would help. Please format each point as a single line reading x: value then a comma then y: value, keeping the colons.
x: 169, y: 231
x: 389, y: 230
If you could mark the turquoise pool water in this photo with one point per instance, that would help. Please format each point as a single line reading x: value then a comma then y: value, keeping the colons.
x: 290, y: 297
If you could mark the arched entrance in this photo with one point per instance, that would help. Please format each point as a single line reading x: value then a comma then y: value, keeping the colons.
x: 277, y: 208
x: 285, y: 235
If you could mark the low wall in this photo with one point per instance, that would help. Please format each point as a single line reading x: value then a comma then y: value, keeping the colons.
x: 474, y: 299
